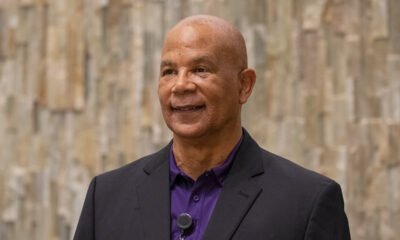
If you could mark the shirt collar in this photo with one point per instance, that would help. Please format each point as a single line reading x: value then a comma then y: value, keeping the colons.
x: 219, y: 171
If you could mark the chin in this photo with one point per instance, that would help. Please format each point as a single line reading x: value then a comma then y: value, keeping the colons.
x: 186, y: 131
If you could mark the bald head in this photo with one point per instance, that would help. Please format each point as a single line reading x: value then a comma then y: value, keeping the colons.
x: 211, y: 30
x: 204, y: 79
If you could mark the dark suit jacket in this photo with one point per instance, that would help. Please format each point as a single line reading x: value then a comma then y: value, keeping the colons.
x: 264, y: 197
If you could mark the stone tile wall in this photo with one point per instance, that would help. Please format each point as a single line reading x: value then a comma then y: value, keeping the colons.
x: 78, y: 97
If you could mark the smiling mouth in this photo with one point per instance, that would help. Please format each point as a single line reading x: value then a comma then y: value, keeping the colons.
x: 189, y: 108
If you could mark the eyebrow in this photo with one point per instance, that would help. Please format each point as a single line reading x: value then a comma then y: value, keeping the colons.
x: 166, y: 63
x: 197, y: 60
x: 204, y: 59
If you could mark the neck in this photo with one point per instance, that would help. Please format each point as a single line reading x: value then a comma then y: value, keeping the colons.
x: 195, y: 156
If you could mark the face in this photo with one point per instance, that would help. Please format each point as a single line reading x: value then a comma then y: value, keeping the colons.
x: 199, y: 85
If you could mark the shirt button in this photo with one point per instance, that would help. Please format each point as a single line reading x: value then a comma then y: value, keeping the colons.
x: 196, y: 198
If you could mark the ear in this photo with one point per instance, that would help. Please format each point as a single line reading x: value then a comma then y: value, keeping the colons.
x: 247, y: 81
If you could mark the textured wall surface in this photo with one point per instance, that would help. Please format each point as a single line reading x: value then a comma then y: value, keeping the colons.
x: 78, y: 97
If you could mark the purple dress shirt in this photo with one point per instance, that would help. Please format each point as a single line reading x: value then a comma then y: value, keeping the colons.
x: 196, y: 198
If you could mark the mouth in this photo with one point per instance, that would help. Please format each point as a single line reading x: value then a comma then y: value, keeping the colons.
x: 187, y: 108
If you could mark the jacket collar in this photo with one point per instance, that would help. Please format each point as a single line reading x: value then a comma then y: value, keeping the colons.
x: 153, y: 197
x: 238, y: 194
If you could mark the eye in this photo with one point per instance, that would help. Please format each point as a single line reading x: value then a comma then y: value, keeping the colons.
x: 167, y: 71
x: 202, y: 71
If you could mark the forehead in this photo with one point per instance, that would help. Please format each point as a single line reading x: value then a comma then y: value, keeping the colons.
x: 194, y: 38
x: 190, y: 35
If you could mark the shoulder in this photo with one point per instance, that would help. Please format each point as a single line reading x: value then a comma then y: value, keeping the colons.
x: 135, y: 171
x: 276, y: 169
x: 291, y: 172
x: 301, y: 199
x: 292, y: 183
x: 280, y: 176
x: 316, y: 199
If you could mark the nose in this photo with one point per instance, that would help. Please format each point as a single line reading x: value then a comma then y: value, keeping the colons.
x: 183, y: 84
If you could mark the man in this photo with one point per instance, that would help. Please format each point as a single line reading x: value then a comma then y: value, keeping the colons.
x: 213, y: 181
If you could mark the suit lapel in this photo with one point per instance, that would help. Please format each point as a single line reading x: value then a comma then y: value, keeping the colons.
x: 239, y: 192
x: 154, y: 198
x: 237, y: 196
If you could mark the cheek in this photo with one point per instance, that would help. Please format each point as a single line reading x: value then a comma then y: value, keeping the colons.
x: 218, y: 108
x: 227, y: 95
x: 163, y: 93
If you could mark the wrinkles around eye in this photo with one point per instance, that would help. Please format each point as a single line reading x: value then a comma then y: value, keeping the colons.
x: 200, y: 70
x: 168, y: 72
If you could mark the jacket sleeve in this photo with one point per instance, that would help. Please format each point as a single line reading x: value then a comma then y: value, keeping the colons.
x: 328, y: 220
x: 85, y: 228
